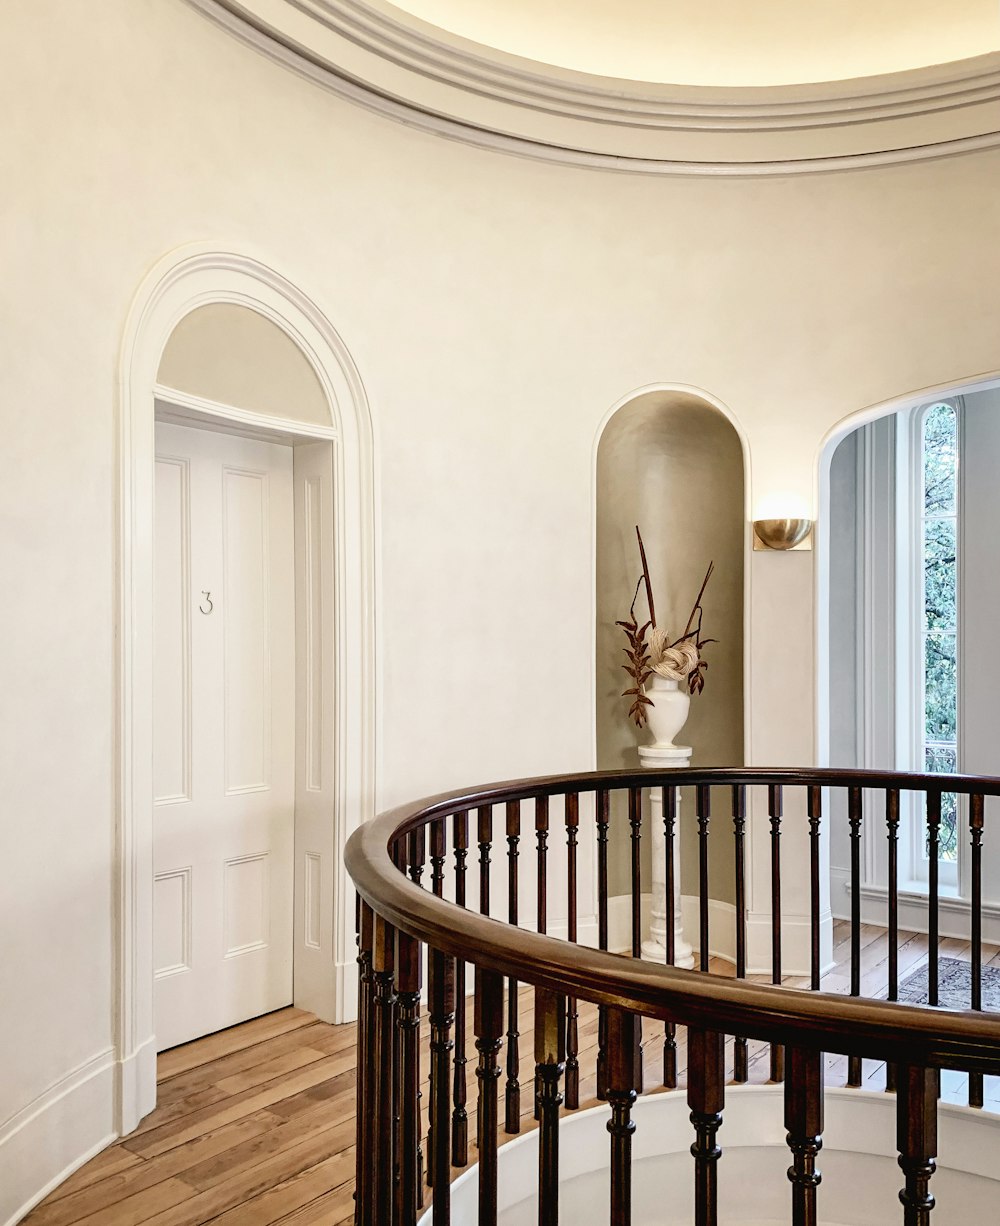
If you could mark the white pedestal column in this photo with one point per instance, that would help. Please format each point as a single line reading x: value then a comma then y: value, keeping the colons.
x: 654, y: 948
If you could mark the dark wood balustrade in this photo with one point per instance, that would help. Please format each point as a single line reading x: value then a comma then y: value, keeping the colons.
x: 403, y: 1142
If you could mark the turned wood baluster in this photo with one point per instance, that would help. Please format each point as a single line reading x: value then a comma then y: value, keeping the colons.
x: 365, y: 1155
x: 741, y: 1062
x: 603, y: 821
x: 541, y: 898
x: 854, y: 815
x: 542, y: 845
x: 706, y: 1098
x: 408, y: 965
x: 976, y: 813
x: 635, y: 827
x: 703, y: 809
x: 572, y: 1015
x: 892, y: 830
x: 489, y: 1036
x: 774, y: 808
x: 416, y: 848
x: 804, y: 1122
x: 460, y: 1116
x: 382, y: 1103
x: 399, y: 851
x: 670, y: 889
x: 916, y: 1140
x: 441, y: 1003
x: 512, y: 1099
x: 815, y: 813
x: 624, y: 1076
x: 933, y: 917
x: 485, y: 815
x: 438, y: 856
x: 550, y: 1054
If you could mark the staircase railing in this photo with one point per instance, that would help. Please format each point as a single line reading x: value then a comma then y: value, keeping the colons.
x: 406, y: 924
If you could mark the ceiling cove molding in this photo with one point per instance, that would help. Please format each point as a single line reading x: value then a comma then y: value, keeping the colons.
x: 396, y: 66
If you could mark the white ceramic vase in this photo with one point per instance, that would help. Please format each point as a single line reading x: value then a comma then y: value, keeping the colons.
x: 669, y: 712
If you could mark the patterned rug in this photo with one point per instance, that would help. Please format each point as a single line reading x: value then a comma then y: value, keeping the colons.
x: 954, y: 985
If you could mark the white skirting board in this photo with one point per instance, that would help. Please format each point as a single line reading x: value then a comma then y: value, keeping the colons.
x: 795, y: 933
x: 954, y: 913
x: 46, y: 1141
x: 136, y: 1086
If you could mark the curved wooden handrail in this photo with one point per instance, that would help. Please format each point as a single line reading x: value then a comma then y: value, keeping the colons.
x: 822, y: 1021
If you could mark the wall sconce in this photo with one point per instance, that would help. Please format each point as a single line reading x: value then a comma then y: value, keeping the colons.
x: 782, y: 533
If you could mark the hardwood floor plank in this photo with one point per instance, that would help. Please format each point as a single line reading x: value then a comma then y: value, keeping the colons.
x: 275, y: 1204
x: 141, y: 1206
x: 180, y: 1085
x: 247, y: 1034
x: 141, y: 1174
x: 109, y: 1162
x: 233, y: 1107
x: 260, y: 1074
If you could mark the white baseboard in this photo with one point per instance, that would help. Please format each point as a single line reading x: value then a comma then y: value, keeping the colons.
x: 135, y: 1089
x: 795, y: 934
x: 620, y: 921
x: 64, y: 1127
x: 347, y: 991
x: 721, y: 924
x: 796, y: 944
x: 954, y: 914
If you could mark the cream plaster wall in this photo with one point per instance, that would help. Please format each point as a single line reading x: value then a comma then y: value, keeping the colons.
x: 496, y: 309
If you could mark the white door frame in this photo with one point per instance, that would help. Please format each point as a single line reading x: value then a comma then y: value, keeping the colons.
x: 177, y: 285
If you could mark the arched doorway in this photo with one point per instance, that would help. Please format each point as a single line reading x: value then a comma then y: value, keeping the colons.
x: 906, y: 602
x: 177, y: 287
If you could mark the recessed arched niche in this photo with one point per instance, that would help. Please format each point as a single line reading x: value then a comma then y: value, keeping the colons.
x: 673, y: 464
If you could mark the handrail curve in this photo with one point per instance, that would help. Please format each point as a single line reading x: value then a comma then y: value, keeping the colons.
x: 854, y: 1026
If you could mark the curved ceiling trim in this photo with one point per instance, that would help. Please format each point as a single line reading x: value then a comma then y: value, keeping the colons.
x: 442, y: 84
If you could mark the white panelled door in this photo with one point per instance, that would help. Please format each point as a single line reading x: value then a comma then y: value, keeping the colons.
x: 224, y: 731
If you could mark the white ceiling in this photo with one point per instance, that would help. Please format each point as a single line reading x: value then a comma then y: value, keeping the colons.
x: 725, y: 42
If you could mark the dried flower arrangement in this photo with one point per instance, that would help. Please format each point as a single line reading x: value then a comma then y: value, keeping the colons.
x: 680, y: 660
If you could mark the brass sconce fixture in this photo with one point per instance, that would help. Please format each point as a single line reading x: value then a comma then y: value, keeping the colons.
x: 781, y: 533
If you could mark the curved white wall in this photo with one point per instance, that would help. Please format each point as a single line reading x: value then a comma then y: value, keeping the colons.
x: 496, y: 309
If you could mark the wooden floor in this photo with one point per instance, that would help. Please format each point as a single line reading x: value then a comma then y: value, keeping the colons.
x: 255, y: 1125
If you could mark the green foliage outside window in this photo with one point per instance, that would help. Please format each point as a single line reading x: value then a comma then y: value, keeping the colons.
x: 940, y: 599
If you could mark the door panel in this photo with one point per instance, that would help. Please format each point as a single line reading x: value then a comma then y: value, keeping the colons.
x: 224, y: 731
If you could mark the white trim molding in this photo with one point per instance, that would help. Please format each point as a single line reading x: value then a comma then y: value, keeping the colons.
x: 795, y: 933
x: 178, y: 284
x: 60, y: 1130
x: 390, y: 62
x: 954, y: 912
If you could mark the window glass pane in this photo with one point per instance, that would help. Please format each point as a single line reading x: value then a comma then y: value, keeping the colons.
x: 943, y: 759
x: 940, y: 446
x: 940, y: 687
x: 940, y: 571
